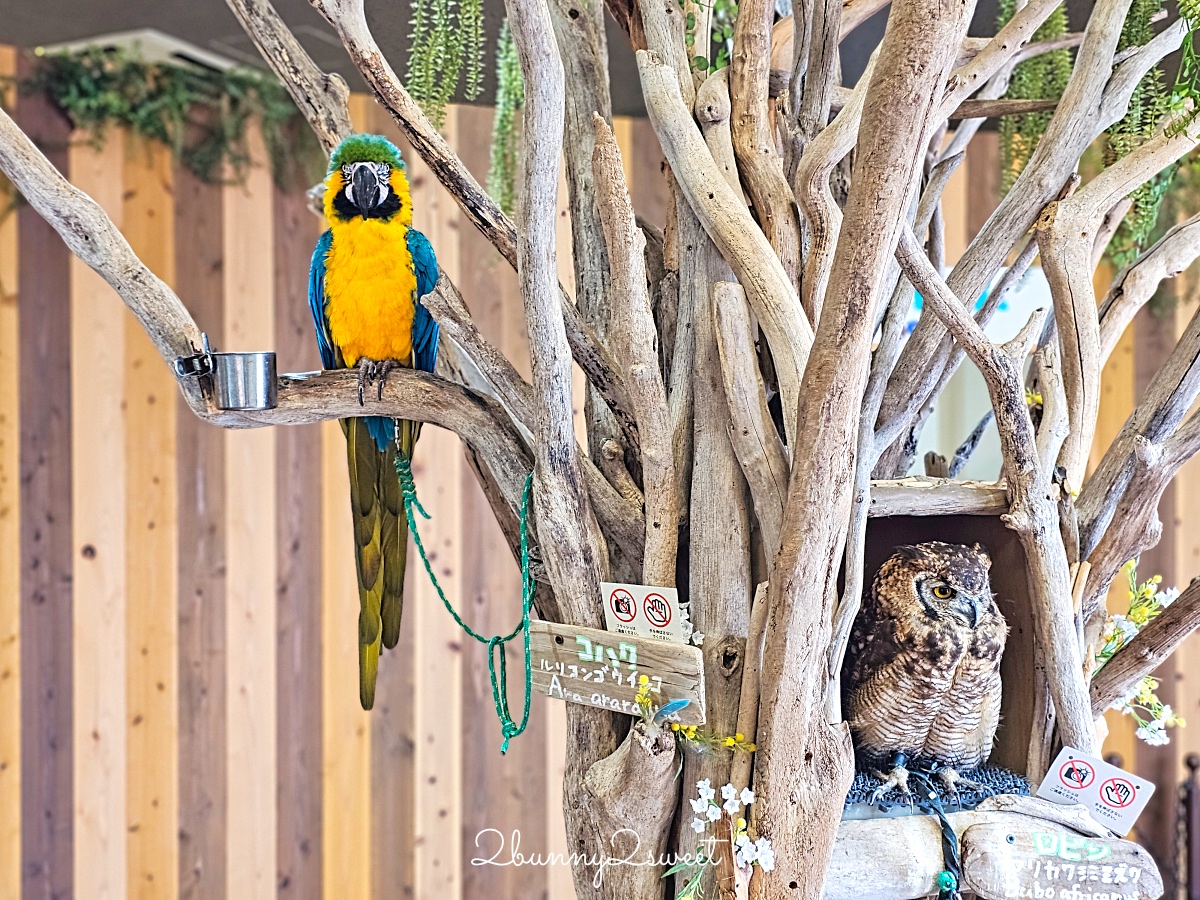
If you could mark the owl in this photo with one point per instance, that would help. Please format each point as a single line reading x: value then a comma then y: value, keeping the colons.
x: 922, y: 670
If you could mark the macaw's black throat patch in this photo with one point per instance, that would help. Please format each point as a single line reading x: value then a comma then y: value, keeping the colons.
x: 347, y: 210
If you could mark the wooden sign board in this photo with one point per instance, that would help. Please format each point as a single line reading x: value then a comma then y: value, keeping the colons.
x: 600, y: 668
x: 1039, y: 859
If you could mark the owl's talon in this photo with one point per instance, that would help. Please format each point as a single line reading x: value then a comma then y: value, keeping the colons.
x: 897, y: 778
x: 951, y: 781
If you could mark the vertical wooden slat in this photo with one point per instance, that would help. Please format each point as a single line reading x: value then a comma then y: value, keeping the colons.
x: 346, y: 729
x: 152, y: 518
x: 982, y: 167
x: 648, y: 187
x: 200, y: 469
x: 500, y: 792
x: 43, y: 292
x: 348, y: 782
x: 98, y: 521
x: 437, y: 659
x: 298, y: 636
x: 250, y: 550
x: 10, y: 541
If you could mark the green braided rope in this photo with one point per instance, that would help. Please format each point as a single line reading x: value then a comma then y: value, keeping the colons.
x: 509, y: 728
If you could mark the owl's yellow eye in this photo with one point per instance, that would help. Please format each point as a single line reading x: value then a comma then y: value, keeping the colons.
x: 942, y: 592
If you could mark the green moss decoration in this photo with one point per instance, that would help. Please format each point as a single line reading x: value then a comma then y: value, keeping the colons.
x: 510, y: 95
x: 201, y: 114
x: 1040, y: 78
x: 446, y: 37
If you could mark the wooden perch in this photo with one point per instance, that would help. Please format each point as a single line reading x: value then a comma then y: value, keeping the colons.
x: 1149, y: 648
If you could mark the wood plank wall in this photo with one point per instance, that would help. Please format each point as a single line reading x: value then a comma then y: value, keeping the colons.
x: 179, y: 711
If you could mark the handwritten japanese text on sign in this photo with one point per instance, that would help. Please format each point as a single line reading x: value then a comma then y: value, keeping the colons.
x: 599, y: 668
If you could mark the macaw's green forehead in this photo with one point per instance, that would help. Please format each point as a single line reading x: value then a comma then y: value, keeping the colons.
x: 366, y: 148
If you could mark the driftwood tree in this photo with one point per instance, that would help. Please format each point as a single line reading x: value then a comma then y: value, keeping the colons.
x: 780, y: 262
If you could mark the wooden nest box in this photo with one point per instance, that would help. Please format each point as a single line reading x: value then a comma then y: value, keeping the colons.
x: 915, y: 510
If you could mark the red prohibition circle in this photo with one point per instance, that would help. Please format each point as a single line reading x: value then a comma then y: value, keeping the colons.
x: 657, y: 610
x: 1089, y: 774
x: 623, y: 605
x: 1117, y: 793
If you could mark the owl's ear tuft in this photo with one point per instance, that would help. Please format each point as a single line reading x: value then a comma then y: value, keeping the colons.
x: 907, y: 551
x: 983, y: 551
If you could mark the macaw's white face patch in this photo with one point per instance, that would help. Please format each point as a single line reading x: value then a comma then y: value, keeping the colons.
x: 382, y: 173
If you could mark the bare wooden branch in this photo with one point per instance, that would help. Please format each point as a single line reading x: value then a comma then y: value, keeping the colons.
x: 1108, y: 229
x: 713, y: 112
x: 760, y: 165
x: 1066, y: 233
x: 730, y: 226
x: 634, y: 340
x: 1148, y: 650
x: 322, y: 97
x: 755, y: 442
x: 1136, y: 284
x: 821, y: 211
x: 1032, y: 513
x: 747, y: 719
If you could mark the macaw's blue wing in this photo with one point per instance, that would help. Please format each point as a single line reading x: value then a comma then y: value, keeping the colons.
x: 317, y: 302
x: 425, y: 329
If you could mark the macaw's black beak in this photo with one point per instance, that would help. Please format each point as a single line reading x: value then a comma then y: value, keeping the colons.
x: 366, y: 189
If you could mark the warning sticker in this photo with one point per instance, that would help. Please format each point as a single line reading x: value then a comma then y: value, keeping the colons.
x: 651, y: 612
x: 1113, y: 796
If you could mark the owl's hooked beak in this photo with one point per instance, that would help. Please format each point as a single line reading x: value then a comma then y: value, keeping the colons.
x: 968, y: 607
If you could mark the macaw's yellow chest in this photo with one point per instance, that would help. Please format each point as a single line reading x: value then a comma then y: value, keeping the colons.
x: 371, y: 291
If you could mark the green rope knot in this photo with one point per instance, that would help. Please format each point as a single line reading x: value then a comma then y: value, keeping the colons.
x: 497, y: 671
x: 946, y: 880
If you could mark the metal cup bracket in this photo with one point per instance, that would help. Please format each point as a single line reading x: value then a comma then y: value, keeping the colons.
x: 239, y: 381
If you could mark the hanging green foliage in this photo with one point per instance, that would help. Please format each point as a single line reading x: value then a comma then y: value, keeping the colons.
x: 1148, y: 105
x: 724, y: 14
x: 201, y: 114
x: 510, y: 95
x: 446, y: 37
x: 1040, y: 78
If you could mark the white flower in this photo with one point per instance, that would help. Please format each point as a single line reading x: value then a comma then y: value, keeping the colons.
x: 1128, y: 629
x: 698, y: 638
x: 1165, y: 716
x: 747, y: 796
x: 698, y: 825
x: 699, y: 804
x: 1167, y: 596
x: 704, y: 789
x: 1109, y: 631
x: 728, y: 792
x: 1125, y: 701
x: 766, y: 854
x: 1154, y: 734
x: 745, y: 852
x: 714, y: 813
x: 732, y: 806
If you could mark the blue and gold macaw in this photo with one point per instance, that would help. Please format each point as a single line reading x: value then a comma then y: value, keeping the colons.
x: 368, y: 273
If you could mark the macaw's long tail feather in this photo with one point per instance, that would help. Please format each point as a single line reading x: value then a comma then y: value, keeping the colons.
x: 395, y: 533
x: 380, y: 540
